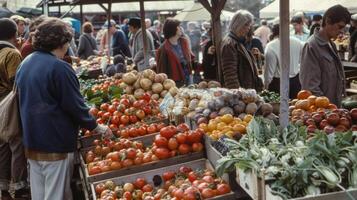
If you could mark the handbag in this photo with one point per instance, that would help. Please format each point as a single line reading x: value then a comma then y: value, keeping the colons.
x: 10, y: 120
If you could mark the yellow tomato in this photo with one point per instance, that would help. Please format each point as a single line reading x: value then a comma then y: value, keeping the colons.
x: 239, y: 128
x: 247, y: 118
x: 227, y: 118
x: 221, y: 125
x: 204, y: 127
x: 211, y: 127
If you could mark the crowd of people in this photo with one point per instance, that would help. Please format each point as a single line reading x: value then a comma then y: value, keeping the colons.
x: 52, y: 108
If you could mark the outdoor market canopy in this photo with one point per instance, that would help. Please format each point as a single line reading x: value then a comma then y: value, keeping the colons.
x: 308, y: 6
x: 196, y: 12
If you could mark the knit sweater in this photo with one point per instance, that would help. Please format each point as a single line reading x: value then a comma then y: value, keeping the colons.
x: 51, y: 106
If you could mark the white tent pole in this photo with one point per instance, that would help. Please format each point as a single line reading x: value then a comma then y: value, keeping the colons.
x: 285, y: 62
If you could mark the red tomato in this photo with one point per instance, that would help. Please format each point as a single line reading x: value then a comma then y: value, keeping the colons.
x: 113, y: 127
x: 179, y: 193
x: 124, y: 119
x: 162, y: 153
x: 202, y: 186
x: 94, y: 170
x: 125, y: 102
x: 111, y: 109
x: 106, y: 116
x: 133, y: 132
x: 197, y: 147
x: 207, y: 193
x: 146, y: 97
x: 127, y: 195
x: 127, y: 163
x: 147, y: 188
x: 181, y: 138
x: 124, y: 133
x: 115, y: 120
x: 99, y: 188
x: 192, y: 176
x: 172, y: 144
x: 151, y: 129
x: 140, y: 114
x: 168, y: 131
x: 131, y: 153
x: 184, y: 149
x: 137, y: 104
x: 223, y: 188
x: 168, y: 175
x: 183, y: 127
x: 194, y: 137
x: 140, y: 183
x: 160, y: 141
x: 104, y: 106
x: 208, y: 179
x: 138, y: 160
x: 147, y: 110
x: 133, y: 119
x: 141, y: 130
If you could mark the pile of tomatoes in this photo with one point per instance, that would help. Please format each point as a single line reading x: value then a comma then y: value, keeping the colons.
x: 139, y: 129
x: 120, y: 153
x: 177, y: 140
x: 185, y: 184
x: 124, y: 111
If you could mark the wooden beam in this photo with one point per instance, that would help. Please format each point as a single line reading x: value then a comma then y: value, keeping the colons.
x: 81, y: 13
x: 217, y: 33
x: 109, y: 14
x: 285, y: 62
x: 143, y: 31
x: 104, y: 8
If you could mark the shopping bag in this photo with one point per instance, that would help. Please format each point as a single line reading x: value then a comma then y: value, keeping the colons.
x: 10, y: 120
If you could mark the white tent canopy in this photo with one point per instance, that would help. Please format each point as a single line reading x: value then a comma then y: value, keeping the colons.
x: 196, y: 12
x: 308, y: 6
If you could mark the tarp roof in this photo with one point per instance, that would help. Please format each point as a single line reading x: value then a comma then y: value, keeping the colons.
x: 196, y: 12
x: 308, y: 6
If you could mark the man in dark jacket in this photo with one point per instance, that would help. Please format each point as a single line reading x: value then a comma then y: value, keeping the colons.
x: 322, y: 72
x: 353, y: 39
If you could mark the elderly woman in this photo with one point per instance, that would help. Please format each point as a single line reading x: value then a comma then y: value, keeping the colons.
x: 238, y: 66
x: 87, y: 44
x: 52, y: 110
x: 174, y: 56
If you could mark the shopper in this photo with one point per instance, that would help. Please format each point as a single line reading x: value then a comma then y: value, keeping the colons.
x: 154, y: 33
x: 21, y: 24
x: 27, y: 47
x: 87, y: 45
x: 13, y: 167
x: 238, y: 65
x: 194, y: 34
x: 137, y: 47
x: 272, y: 67
x: 315, y: 23
x: 174, y: 57
x: 209, y: 62
x: 263, y: 32
x: 321, y: 69
x: 52, y: 110
x: 353, y: 39
x: 298, y: 29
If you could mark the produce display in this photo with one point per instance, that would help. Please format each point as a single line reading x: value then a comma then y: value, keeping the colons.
x: 270, y: 97
x: 319, y: 113
x: 126, y: 110
x: 295, y: 165
x: 103, y: 90
x: 147, y: 81
x: 203, y: 105
x: 226, y: 125
x: 139, y: 129
x: 120, y: 153
x: 184, y: 183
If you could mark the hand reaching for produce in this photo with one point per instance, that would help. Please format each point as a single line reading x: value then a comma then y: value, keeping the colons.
x: 104, y: 130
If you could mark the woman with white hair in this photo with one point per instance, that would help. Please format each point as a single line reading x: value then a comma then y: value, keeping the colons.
x: 238, y: 66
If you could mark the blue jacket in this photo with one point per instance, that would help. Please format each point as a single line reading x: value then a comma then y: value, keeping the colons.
x: 120, y: 44
x: 51, y: 106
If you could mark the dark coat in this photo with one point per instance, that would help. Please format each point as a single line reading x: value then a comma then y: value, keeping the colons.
x: 238, y: 65
x: 209, y: 63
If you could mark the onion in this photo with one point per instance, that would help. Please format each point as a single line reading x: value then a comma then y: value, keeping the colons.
x: 149, y: 74
x: 155, y: 96
x: 129, y: 78
x: 173, y: 91
x: 163, y: 93
x: 159, y: 78
x: 145, y: 83
x: 157, y: 88
x: 169, y: 84
x: 164, y: 76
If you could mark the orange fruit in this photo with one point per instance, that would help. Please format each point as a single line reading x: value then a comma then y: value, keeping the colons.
x: 239, y: 128
x: 322, y: 102
x: 227, y: 118
x: 332, y: 106
x: 312, y: 99
x: 304, y: 94
x: 247, y: 118
x: 302, y: 104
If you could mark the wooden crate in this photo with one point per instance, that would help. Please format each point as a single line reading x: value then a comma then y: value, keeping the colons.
x: 251, y: 183
x: 341, y: 195
x: 149, y: 175
x: 139, y: 168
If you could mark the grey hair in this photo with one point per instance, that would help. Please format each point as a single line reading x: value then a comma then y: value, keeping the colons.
x: 240, y: 18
